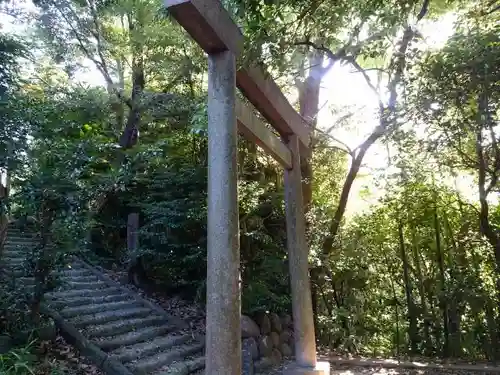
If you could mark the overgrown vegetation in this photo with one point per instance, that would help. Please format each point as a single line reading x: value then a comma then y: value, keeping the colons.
x: 415, y: 272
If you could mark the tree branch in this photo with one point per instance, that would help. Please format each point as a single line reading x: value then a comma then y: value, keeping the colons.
x: 342, y: 118
x: 423, y: 10
x: 346, y: 149
x: 367, y: 78
x: 327, y: 51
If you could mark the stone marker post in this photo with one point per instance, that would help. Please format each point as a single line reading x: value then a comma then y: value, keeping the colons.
x: 132, y: 233
x: 303, y: 323
x: 223, y: 333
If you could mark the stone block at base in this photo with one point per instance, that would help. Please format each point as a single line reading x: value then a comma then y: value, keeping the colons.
x: 322, y: 368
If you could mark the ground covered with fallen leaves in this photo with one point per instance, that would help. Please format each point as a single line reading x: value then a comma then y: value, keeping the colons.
x: 60, y: 358
x: 350, y: 370
x: 356, y: 370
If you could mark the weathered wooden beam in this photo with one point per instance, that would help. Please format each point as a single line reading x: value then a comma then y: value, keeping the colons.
x: 211, y: 26
x: 267, y: 97
x: 252, y: 128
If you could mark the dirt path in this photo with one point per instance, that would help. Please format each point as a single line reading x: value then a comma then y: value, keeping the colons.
x: 350, y: 370
x: 342, y: 366
x: 376, y: 367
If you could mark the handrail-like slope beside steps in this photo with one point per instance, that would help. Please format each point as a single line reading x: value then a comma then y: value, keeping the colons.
x: 124, y: 328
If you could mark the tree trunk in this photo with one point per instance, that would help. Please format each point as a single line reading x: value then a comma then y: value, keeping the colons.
x: 344, y: 195
x: 442, y: 279
x: 42, y: 256
x: 484, y: 223
x: 412, y: 317
x: 455, y: 303
x: 396, y: 311
x: 130, y: 134
x: 423, y: 302
x: 308, y: 109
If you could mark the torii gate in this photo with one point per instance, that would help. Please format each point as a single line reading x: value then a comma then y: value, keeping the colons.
x: 211, y: 26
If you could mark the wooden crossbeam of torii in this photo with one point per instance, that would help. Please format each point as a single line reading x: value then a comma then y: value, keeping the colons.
x: 252, y: 128
x: 211, y: 26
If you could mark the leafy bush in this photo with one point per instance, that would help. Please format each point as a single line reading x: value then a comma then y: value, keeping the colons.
x: 19, y: 361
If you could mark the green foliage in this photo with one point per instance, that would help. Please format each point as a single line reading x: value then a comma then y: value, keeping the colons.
x: 410, y: 275
x: 18, y: 361
x: 364, y: 304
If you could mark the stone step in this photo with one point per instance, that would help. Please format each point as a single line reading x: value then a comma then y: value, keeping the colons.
x: 25, y: 280
x: 16, y: 262
x: 75, y: 285
x: 74, y: 272
x: 18, y: 246
x: 15, y: 238
x: 123, y: 326
x: 7, y: 263
x: 14, y: 272
x: 14, y: 253
x: 190, y: 366
x: 94, y: 309
x: 21, y: 236
x: 134, y: 337
x: 85, y: 293
x: 85, y: 301
x: 149, y: 364
x: 145, y: 349
x: 81, y: 279
x: 110, y: 316
x: 13, y: 256
x: 17, y: 249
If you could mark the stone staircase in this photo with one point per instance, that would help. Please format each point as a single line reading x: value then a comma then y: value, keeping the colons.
x: 118, y: 330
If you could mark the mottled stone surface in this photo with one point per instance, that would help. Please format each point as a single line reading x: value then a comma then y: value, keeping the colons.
x: 252, y: 346
x: 262, y: 319
x: 277, y: 356
x: 285, y: 337
x: 303, y: 323
x: 223, y: 338
x: 247, y: 367
x: 265, y: 346
x: 286, y: 321
x: 249, y: 328
x: 276, y: 325
x: 275, y: 339
x: 286, y: 350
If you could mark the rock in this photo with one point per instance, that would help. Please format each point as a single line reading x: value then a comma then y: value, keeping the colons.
x: 286, y: 321
x: 276, y: 325
x: 249, y: 328
x: 265, y: 346
x: 264, y: 323
x: 286, y: 350
x: 285, y: 337
x: 247, y: 367
x: 263, y: 364
x: 292, y: 344
x: 251, y: 345
x: 277, y: 356
x: 275, y: 339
